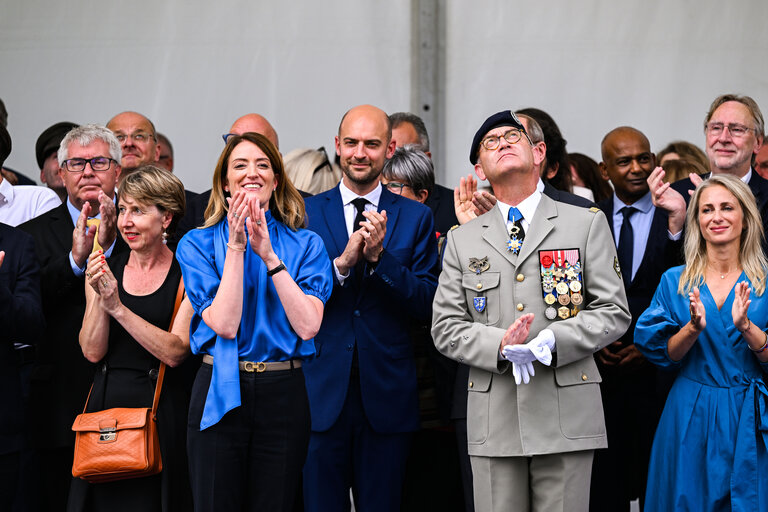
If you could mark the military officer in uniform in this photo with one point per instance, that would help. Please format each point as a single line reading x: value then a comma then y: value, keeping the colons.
x: 528, y: 293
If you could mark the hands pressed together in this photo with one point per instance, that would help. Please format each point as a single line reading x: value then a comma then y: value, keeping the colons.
x: 521, y: 354
x: 245, y: 210
x: 367, y: 242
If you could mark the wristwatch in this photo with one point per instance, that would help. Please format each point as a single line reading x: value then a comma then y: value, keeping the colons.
x: 277, y: 269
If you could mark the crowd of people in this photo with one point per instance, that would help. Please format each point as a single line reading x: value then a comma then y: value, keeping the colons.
x: 573, y: 335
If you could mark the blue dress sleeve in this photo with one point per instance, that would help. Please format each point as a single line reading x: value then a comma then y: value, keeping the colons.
x: 197, y: 258
x: 315, y: 274
x: 661, y: 321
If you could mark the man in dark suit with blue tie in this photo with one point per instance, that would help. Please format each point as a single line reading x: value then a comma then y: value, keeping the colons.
x: 362, y: 382
x: 631, y: 405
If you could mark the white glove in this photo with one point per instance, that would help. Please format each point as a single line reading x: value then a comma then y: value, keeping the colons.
x: 538, y: 349
x: 522, y: 372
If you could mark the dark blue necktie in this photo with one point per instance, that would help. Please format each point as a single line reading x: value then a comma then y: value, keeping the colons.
x: 516, y: 233
x: 626, y: 244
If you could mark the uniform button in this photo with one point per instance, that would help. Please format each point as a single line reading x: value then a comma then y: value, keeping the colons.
x: 356, y: 313
x: 584, y: 376
x: 520, y: 307
x: 461, y: 359
x: 471, y: 384
x: 453, y: 344
x: 479, y: 286
x: 520, y: 277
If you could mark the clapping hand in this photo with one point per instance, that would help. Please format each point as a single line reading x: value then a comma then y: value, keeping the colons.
x: 103, y: 282
x: 698, y: 313
x: 740, y: 307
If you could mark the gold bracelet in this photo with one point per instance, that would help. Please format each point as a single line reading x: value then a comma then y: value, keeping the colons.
x: 746, y: 328
x: 235, y: 248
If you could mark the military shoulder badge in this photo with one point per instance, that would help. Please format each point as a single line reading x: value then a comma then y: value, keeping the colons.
x: 617, y: 267
x: 562, y: 282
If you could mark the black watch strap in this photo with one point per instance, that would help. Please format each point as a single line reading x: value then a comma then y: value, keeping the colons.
x: 277, y: 269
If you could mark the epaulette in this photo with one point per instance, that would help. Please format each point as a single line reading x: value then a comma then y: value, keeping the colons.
x: 454, y: 227
x: 594, y: 209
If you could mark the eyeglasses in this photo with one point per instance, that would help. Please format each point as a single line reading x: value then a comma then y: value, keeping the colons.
x: 226, y: 136
x: 512, y: 136
x: 100, y: 163
x: 139, y: 137
x: 736, y: 130
x: 396, y: 187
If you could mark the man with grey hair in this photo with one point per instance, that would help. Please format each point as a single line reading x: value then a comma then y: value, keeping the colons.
x: 89, y: 158
x: 734, y: 129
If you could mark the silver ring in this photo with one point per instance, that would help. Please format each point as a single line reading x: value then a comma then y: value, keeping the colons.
x: 237, y: 216
x: 103, y: 283
x: 258, y: 222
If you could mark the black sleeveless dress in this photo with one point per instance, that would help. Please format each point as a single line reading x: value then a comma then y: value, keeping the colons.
x: 126, y: 378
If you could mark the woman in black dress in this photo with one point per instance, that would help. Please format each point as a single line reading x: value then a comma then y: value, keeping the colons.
x: 129, y: 304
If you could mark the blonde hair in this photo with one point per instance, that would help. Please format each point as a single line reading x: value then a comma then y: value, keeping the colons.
x: 751, y: 256
x: 310, y: 170
x: 286, y: 204
x: 151, y: 185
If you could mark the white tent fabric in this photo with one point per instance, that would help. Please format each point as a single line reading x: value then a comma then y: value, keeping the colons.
x: 193, y: 67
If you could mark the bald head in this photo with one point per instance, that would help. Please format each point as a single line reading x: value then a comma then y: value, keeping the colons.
x: 369, y: 113
x: 363, y: 144
x: 137, y: 137
x: 619, y: 134
x: 256, y: 124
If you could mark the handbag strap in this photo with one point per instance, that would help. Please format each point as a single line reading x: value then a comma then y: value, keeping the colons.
x: 161, y: 371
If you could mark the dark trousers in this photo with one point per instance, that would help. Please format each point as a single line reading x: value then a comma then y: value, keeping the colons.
x: 252, y: 458
x: 352, y: 455
x: 9, y: 477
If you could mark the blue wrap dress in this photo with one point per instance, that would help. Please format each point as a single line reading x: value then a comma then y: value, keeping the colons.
x: 709, y: 452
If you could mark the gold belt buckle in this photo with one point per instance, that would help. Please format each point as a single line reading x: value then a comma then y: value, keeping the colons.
x: 255, y: 367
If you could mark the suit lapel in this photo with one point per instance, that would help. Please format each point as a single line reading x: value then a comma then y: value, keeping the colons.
x: 333, y: 214
x: 61, y: 226
x: 388, y: 202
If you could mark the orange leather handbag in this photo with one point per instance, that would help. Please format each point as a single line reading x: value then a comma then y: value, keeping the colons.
x: 120, y: 443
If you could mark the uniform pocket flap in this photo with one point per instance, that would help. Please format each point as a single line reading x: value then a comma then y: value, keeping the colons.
x: 479, y: 381
x: 480, y: 282
x: 111, y: 419
x: 580, y: 372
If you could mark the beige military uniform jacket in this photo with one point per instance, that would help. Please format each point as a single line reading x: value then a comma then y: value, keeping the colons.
x: 560, y: 410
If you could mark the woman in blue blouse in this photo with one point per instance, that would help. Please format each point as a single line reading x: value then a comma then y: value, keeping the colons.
x: 258, y: 284
x: 709, y: 318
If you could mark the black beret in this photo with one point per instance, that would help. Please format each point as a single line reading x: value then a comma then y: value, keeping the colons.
x: 504, y: 118
x: 50, y: 139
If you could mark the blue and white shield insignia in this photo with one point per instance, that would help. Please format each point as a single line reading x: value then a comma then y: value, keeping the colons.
x: 479, y: 304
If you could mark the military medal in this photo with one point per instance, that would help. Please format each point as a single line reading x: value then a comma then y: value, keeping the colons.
x: 577, y: 299
x: 550, y: 313
x: 561, y: 288
x: 563, y: 312
x: 575, y: 286
x: 549, y: 299
x: 514, y: 244
x: 564, y: 299
x: 561, y: 282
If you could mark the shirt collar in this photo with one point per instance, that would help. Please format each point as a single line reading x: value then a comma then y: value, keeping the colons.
x: 644, y: 204
x: 6, y: 191
x: 347, y: 196
x: 527, y: 207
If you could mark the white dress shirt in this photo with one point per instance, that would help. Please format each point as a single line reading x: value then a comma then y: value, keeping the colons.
x: 20, y: 203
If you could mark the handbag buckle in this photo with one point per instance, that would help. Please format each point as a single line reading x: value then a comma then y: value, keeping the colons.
x: 107, y: 435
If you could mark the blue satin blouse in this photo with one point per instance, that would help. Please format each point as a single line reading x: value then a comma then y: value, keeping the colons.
x: 265, y: 333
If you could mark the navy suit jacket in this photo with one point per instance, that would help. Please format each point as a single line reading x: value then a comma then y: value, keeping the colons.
x: 21, y: 320
x: 374, y: 313
x: 658, y: 251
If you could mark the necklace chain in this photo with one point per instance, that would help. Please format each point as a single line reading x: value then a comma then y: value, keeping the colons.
x: 722, y: 276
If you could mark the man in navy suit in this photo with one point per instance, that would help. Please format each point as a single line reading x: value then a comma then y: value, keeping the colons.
x: 362, y: 383
x: 631, y: 405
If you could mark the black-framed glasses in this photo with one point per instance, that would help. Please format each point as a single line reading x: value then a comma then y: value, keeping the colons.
x: 99, y: 164
x: 513, y: 136
x: 396, y: 187
x: 736, y: 130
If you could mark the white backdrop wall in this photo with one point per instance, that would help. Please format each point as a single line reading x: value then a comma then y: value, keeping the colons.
x: 193, y: 67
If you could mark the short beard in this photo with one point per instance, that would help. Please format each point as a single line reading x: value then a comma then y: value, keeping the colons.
x: 367, y: 179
